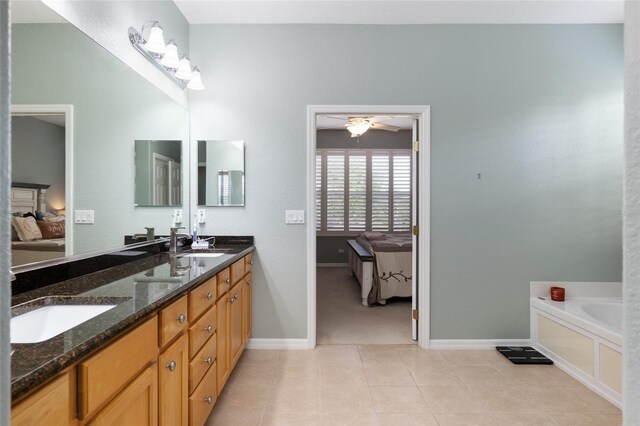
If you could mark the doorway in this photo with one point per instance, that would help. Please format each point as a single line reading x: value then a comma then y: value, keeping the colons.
x: 416, y: 155
x: 47, y: 132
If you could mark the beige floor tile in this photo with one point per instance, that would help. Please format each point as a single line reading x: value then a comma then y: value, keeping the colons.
x: 388, y: 375
x: 464, y: 419
x: 557, y: 400
x: 340, y: 399
x: 480, y: 376
x: 380, y: 357
x: 474, y: 357
x: 296, y: 375
x: 577, y: 419
x: 340, y: 375
x: 298, y: 418
x: 338, y: 355
x: 511, y: 399
x: 537, y: 375
x: 406, y: 419
x: 596, y: 403
x: 517, y: 419
x: 289, y: 399
x: 247, y: 397
x: 301, y: 356
x: 422, y: 358
x: 260, y: 356
x: 451, y: 399
x: 428, y: 376
x: 251, y: 374
x: 220, y: 417
x: 398, y: 400
x: 348, y: 419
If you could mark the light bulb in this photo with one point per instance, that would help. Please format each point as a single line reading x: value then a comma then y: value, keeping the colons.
x: 155, y: 43
x: 184, y: 69
x: 170, y: 58
x: 195, y: 83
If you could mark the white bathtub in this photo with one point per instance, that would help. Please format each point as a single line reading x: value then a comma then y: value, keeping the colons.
x: 582, y: 335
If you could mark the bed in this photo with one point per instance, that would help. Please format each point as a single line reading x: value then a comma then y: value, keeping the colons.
x: 382, y: 265
x: 28, y: 198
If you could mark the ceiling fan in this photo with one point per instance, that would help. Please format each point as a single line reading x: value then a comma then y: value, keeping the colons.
x: 359, y: 125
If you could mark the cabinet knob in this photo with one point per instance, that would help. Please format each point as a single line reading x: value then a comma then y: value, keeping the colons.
x: 208, y: 400
x: 209, y: 296
x: 209, y: 360
x: 227, y: 281
x: 171, y: 366
x: 251, y: 262
x: 181, y: 318
x: 209, y: 328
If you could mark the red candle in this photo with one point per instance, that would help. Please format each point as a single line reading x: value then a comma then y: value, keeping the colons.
x: 557, y: 294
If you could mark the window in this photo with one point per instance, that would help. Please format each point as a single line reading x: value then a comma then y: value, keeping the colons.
x: 362, y: 190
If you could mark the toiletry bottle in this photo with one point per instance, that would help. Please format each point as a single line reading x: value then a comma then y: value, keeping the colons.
x: 195, y: 228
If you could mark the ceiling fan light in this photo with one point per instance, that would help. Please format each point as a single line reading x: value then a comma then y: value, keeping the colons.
x: 357, y: 128
x: 155, y: 43
x: 184, y: 69
x: 170, y: 58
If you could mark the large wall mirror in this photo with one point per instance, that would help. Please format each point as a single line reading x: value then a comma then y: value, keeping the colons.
x: 221, y: 173
x: 158, y: 173
x: 54, y: 63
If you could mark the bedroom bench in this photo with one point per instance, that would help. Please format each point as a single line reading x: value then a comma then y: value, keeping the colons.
x: 361, y: 265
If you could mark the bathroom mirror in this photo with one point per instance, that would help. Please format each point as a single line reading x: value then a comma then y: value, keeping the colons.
x: 221, y: 173
x: 158, y: 173
x: 54, y: 63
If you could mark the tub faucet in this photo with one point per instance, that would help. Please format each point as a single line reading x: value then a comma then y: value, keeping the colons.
x: 150, y: 235
x: 173, y: 242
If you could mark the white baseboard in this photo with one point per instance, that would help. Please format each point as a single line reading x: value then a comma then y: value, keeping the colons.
x: 476, y: 343
x: 254, y: 343
x: 332, y: 265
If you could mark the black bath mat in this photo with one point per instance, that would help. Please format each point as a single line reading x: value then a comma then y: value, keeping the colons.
x: 523, y: 355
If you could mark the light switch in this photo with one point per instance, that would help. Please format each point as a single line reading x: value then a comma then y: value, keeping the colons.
x: 177, y: 216
x: 84, y: 216
x: 202, y: 216
x: 294, y: 217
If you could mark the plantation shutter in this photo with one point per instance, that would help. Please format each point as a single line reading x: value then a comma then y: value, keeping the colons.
x: 401, y: 192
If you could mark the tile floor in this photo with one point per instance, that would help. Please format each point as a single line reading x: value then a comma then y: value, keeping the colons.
x: 402, y: 385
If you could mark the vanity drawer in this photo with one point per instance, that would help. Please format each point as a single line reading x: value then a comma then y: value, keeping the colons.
x: 203, y: 399
x: 105, y: 373
x: 201, y: 331
x: 237, y: 271
x: 202, y: 298
x: 173, y: 320
x: 201, y: 363
x: 51, y: 402
x: 224, y: 282
x: 248, y: 263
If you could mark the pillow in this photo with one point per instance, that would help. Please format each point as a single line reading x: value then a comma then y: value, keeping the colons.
x: 26, y: 228
x: 53, y: 218
x: 374, y: 236
x: 14, y: 234
x: 51, y: 229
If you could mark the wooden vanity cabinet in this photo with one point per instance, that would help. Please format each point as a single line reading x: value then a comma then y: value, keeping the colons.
x: 53, y: 401
x: 246, y: 308
x: 236, y: 337
x: 173, y: 381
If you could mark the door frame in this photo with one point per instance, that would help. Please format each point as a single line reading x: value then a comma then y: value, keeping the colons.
x: 67, y: 110
x: 423, y: 112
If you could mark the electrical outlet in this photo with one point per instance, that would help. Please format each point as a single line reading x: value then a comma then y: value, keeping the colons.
x: 202, y: 216
x: 84, y: 216
x: 177, y: 216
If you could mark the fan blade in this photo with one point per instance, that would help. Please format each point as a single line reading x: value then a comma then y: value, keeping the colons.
x: 337, y: 117
x: 376, y: 118
x: 339, y: 126
x: 380, y: 126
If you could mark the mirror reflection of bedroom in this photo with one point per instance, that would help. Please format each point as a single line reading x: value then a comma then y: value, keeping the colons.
x: 37, y: 187
x: 363, y: 229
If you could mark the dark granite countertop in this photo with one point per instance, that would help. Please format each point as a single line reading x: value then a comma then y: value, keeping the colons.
x: 138, y: 289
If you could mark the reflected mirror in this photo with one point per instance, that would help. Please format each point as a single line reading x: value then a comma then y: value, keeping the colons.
x: 158, y: 173
x: 221, y: 173
x: 112, y: 106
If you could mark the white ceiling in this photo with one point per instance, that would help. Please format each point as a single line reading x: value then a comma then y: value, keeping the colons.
x: 401, y: 12
x: 33, y: 12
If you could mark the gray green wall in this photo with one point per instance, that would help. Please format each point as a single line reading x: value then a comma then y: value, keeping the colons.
x: 113, y: 107
x: 37, y: 156
x: 327, y: 248
x: 536, y: 109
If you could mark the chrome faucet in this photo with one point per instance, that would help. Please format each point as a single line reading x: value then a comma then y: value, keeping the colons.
x: 150, y: 235
x: 173, y: 242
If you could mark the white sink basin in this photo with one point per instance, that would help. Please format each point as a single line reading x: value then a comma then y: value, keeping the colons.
x: 202, y: 255
x: 49, y: 321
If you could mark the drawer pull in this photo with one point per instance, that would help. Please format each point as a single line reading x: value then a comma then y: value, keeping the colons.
x: 208, y: 400
x: 209, y: 328
x: 171, y: 366
x: 209, y: 360
x: 181, y: 318
x: 234, y: 298
x: 227, y: 281
x: 209, y: 296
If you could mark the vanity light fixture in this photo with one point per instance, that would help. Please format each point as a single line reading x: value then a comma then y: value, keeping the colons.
x: 165, y: 56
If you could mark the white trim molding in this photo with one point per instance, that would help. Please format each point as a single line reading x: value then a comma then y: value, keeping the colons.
x: 477, y: 343
x: 423, y: 113
x: 67, y: 110
x: 255, y: 343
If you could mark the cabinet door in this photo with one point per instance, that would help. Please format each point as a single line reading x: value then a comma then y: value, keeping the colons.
x: 51, y: 402
x: 136, y: 405
x: 173, y: 382
x: 246, y: 308
x: 235, y: 323
x: 222, y: 342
